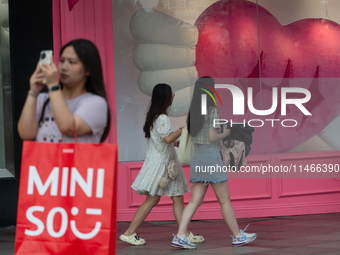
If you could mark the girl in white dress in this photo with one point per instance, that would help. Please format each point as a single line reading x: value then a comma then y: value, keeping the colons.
x: 160, y: 150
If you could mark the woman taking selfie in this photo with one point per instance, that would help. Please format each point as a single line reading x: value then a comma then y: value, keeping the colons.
x: 75, y: 104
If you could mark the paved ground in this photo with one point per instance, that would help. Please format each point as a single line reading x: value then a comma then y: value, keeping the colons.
x: 302, y: 235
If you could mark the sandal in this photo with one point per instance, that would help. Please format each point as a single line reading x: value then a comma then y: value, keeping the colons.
x: 134, y: 239
x: 195, y: 238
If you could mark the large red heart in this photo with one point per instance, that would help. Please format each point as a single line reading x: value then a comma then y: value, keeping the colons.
x: 302, y: 54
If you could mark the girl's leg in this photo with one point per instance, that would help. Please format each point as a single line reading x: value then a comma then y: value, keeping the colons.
x: 178, y: 207
x: 142, y: 212
x: 222, y: 194
x: 197, y: 195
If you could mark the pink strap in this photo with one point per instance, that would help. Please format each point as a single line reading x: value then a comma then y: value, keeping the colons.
x: 75, y: 133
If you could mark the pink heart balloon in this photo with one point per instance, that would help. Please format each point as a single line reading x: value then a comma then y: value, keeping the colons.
x: 303, y: 54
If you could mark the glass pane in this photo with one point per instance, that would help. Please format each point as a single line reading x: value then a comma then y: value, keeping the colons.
x: 4, y: 30
x: 263, y: 50
x: 6, y: 118
x: 2, y: 128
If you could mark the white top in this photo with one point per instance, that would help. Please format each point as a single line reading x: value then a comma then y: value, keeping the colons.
x: 91, y: 108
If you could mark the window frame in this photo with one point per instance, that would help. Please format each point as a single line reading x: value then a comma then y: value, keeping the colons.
x: 6, y: 87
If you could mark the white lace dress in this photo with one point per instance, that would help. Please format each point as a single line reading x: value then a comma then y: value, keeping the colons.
x: 158, y: 155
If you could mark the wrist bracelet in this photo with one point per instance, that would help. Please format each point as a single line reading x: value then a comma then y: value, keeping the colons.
x: 55, y: 87
x: 32, y: 94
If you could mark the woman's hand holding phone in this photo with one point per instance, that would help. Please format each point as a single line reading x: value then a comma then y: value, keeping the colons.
x: 50, y: 73
x: 36, y: 80
x: 46, y: 73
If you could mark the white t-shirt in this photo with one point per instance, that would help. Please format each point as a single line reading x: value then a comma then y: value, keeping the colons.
x: 91, y: 108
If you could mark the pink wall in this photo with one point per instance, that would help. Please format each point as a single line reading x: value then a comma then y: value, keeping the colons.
x: 92, y: 20
x: 252, y: 197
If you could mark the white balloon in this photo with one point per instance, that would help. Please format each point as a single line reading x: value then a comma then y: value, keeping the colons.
x: 166, y: 53
x: 152, y: 26
x: 152, y: 57
x: 177, y: 78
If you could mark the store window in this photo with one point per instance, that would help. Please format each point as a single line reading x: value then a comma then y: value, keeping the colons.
x: 6, y: 123
x: 281, y: 55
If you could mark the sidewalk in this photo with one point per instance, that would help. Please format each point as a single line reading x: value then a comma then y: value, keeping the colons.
x: 303, y: 235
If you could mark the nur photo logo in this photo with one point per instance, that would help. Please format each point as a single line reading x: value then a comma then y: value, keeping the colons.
x: 238, y: 99
x: 204, y: 98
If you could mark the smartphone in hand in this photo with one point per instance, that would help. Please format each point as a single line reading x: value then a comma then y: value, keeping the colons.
x: 45, y: 57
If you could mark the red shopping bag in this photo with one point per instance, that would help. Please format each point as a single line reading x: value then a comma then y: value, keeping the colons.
x: 67, y: 199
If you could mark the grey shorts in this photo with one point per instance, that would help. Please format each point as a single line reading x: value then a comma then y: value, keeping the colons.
x: 206, y: 164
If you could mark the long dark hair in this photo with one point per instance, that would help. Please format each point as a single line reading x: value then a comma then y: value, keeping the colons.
x: 160, y: 101
x: 195, y: 119
x: 88, y: 54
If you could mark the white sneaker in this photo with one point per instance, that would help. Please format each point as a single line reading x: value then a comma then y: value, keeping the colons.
x: 183, y: 243
x: 243, y: 238
x: 134, y: 239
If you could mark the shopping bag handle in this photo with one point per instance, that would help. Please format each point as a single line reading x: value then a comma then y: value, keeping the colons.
x: 75, y: 132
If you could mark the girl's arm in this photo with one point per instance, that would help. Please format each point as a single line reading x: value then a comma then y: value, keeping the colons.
x: 28, y: 124
x: 62, y: 115
x: 173, y: 136
x: 215, y: 137
x: 64, y: 118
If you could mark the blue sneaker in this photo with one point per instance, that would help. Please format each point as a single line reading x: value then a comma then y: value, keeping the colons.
x: 183, y: 243
x: 243, y: 238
